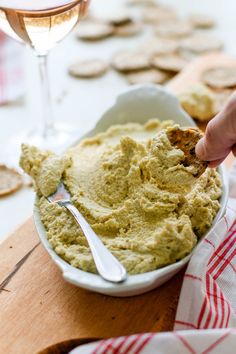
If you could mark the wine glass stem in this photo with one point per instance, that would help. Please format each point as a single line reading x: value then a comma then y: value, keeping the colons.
x: 46, y: 103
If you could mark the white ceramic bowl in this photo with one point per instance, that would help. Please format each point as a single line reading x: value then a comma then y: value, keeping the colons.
x: 137, y: 104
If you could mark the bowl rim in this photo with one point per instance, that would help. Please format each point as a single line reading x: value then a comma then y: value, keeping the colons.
x: 94, y: 282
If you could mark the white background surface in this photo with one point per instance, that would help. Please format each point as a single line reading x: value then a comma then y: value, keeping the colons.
x: 82, y: 102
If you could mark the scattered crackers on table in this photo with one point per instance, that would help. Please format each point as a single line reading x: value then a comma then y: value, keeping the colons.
x: 10, y: 180
x: 169, y: 62
x: 202, y: 21
x: 175, y: 29
x: 153, y: 76
x: 126, y: 61
x: 88, y: 68
x: 199, y: 102
x: 93, y: 31
x: 170, y: 43
x: 220, y: 77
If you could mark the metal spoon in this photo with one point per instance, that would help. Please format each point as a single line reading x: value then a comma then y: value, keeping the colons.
x: 107, y: 265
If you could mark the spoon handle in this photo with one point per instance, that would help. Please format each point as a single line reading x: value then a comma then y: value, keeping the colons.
x: 107, y: 265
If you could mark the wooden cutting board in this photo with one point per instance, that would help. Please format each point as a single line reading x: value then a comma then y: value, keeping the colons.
x: 38, y: 308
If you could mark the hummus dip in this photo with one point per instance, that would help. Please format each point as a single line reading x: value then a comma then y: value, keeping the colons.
x: 130, y: 185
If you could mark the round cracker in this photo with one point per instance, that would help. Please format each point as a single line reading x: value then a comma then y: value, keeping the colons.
x: 128, y: 30
x: 155, y: 15
x: 88, y: 68
x: 93, y: 31
x: 221, y: 97
x: 202, y: 21
x: 220, y: 77
x: 174, y: 29
x: 170, y: 62
x: 200, y: 44
x: 10, y: 180
x: 126, y: 61
x: 159, y: 46
x: 186, y: 139
x: 199, y: 102
x: 142, y: 2
x: 151, y: 76
x: 117, y: 18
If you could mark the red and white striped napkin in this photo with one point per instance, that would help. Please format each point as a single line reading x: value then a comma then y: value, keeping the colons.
x: 11, y: 70
x: 206, y: 314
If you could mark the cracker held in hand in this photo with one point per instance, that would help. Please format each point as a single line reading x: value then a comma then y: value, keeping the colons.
x: 186, y: 140
x: 88, y: 68
x: 10, y: 180
x: 220, y: 77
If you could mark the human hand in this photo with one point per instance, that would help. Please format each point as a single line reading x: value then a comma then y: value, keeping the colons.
x: 220, y: 136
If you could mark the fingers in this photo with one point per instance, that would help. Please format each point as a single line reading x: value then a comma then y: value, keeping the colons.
x: 220, y: 134
x: 234, y: 149
x: 215, y: 144
x: 215, y: 163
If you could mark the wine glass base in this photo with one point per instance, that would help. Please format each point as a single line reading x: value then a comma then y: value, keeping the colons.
x: 57, y: 140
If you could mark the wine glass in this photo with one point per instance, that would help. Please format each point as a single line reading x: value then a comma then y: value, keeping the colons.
x: 42, y: 24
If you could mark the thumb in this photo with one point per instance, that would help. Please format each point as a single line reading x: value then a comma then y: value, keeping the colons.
x: 214, y: 145
x: 201, y: 152
x: 220, y: 135
x: 200, y: 149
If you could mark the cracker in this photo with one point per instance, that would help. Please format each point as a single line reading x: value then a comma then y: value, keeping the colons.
x: 93, y: 31
x: 88, y: 68
x: 202, y: 21
x: 126, y: 61
x: 155, y: 15
x: 186, y: 140
x: 117, y: 18
x: 201, y: 44
x: 160, y: 46
x: 128, y: 30
x: 10, y: 180
x: 174, y: 29
x: 199, y: 102
x: 150, y: 76
x: 141, y: 2
x: 170, y: 62
x: 220, y: 77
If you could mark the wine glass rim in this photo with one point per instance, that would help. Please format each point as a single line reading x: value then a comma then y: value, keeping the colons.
x: 30, y: 5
